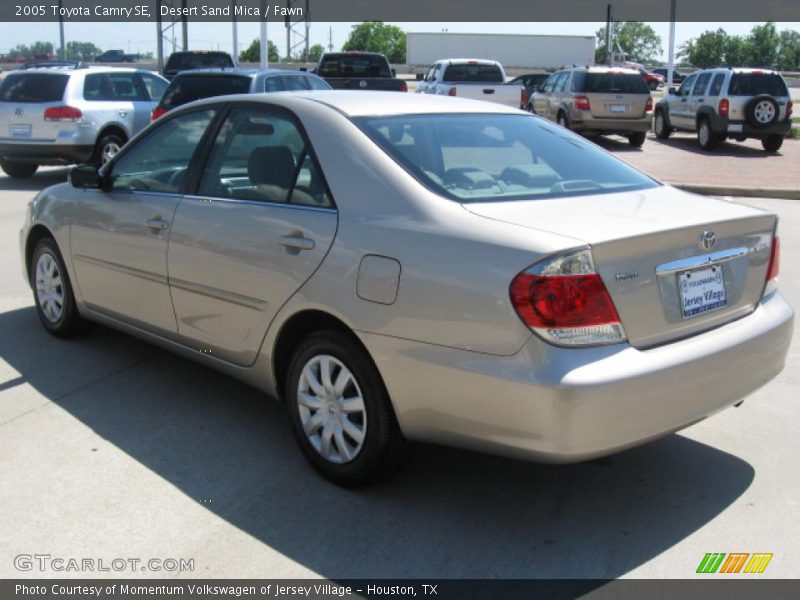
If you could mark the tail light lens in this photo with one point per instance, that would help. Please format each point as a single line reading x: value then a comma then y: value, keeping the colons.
x: 63, y: 113
x: 723, y: 107
x: 157, y: 112
x: 523, y: 98
x: 582, y: 103
x: 648, y: 106
x: 789, y: 106
x: 774, y: 266
x: 451, y: 91
x: 403, y: 86
x: 565, y: 302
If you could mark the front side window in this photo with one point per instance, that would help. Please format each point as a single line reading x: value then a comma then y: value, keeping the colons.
x: 155, y: 85
x: 159, y: 162
x: 686, y: 86
x: 479, y: 157
x: 561, y: 84
x: 263, y: 156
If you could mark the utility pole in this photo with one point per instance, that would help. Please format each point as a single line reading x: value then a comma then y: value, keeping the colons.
x: 235, y: 44
x: 608, y: 33
x: 330, y: 39
x: 185, y: 23
x: 63, y: 51
x: 671, y: 65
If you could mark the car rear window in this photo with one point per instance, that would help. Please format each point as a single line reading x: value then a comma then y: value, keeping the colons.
x: 33, y: 87
x: 200, y: 60
x: 755, y: 84
x: 477, y: 73
x: 484, y: 157
x: 353, y: 65
x: 609, y: 83
x: 187, y: 88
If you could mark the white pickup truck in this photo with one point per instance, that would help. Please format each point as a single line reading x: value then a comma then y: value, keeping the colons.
x: 472, y: 78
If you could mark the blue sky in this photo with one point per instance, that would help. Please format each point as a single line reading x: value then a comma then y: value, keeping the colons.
x: 141, y: 37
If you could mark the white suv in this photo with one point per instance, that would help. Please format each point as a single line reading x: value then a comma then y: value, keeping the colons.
x: 728, y: 103
x: 70, y: 113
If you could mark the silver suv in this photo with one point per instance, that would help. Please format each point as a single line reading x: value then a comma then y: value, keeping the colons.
x: 69, y: 114
x: 726, y: 103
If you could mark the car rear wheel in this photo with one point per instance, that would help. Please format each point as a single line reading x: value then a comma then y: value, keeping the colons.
x: 562, y: 120
x: 340, y: 411
x: 52, y: 291
x: 705, y: 136
x: 637, y: 139
x: 18, y: 170
x: 107, y: 148
x: 772, y: 143
x: 662, y: 130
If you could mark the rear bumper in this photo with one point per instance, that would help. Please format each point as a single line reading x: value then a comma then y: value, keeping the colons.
x: 723, y: 126
x: 621, y: 126
x: 562, y: 405
x: 47, y: 154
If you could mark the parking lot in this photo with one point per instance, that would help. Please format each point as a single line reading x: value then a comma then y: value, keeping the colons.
x: 110, y: 447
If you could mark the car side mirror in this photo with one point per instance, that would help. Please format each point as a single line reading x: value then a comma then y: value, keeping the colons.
x: 672, y: 91
x: 84, y: 177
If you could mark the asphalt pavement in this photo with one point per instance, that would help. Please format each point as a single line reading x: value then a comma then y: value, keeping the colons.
x: 111, y: 448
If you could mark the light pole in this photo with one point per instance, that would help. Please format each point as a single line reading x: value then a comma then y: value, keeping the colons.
x: 671, y: 65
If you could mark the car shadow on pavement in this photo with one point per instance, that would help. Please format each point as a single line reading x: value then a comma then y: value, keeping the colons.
x: 449, y: 514
x: 39, y: 181
x: 727, y: 148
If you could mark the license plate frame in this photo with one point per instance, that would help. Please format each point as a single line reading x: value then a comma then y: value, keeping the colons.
x: 617, y: 108
x: 735, y: 127
x: 20, y: 130
x: 702, y: 290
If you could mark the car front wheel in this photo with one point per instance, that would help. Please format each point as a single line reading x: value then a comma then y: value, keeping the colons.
x: 340, y: 411
x: 18, y: 170
x: 662, y: 130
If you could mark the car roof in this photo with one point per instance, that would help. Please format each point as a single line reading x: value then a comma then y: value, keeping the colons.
x: 251, y: 72
x: 365, y: 103
x: 67, y: 70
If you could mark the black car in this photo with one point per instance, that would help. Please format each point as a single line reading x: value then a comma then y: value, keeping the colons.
x: 194, y: 85
x: 530, y: 81
x: 196, y: 59
x: 359, y: 71
x: 677, y: 76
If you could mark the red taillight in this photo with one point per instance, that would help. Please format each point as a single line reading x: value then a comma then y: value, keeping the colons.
x: 774, y: 259
x: 648, y: 106
x: 451, y: 91
x: 523, y: 98
x: 723, y: 107
x: 582, y: 103
x: 62, y: 113
x: 789, y: 106
x: 403, y: 86
x: 157, y: 112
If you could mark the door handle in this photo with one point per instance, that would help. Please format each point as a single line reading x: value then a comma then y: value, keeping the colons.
x: 157, y: 223
x: 701, y: 99
x: 296, y: 242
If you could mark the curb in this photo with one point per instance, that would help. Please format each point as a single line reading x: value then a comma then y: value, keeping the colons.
x: 745, y: 192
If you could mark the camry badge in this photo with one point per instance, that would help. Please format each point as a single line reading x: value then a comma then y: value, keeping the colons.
x: 707, y: 239
x: 626, y: 276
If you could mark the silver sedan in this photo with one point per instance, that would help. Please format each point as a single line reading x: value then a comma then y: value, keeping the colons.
x: 399, y: 267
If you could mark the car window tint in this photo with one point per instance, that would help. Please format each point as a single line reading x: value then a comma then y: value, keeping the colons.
x: 561, y: 82
x: 262, y: 156
x: 97, y: 88
x: 701, y: 84
x: 33, y: 87
x: 187, y: 88
x: 478, y: 158
x: 273, y: 84
x: 470, y: 72
x: 548, y: 85
x: 315, y: 83
x: 353, y: 65
x: 686, y: 86
x: 716, y: 84
x: 613, y: 83
x: 126, y: 86
x: 155, y: 86
x: 755, y: 84
x: 198, y: 60
x: 158, y: 162
x: 295, y: 83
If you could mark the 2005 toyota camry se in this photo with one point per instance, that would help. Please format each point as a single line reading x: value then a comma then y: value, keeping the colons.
x: 401, y: 267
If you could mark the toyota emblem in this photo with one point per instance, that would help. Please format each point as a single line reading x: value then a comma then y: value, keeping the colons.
x: 707, y: 239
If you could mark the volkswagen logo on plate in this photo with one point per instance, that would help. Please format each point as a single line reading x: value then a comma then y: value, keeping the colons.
x: 707, y: 239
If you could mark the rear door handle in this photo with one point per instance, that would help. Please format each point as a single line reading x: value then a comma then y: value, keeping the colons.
x: 488, y: 91
x: 297, y: 242
x: 157, y: 223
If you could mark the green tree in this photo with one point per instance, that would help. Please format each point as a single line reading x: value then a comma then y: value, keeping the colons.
x: 763, y: 44
x: 41, y: 48
x: 376, y: 36
x: 737, y: 51
x: 707, y: 50
x: 789, y: 53
x: 315, y: 52
x: 81, y: 51
x: 638, y: 40
x: 253, y: 52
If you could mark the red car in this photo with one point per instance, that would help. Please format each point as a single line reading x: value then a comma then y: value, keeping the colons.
x: 653, y: 79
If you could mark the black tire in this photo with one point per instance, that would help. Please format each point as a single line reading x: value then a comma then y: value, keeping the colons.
x: 18, y: 170
x: 562, y: 119
x: 103, y: 149
x: 706, y: 136
x: 67, y: 322
x: 383, y: 449
x: 637, y: 139
x: 762, y: 111
x: 772, y: 143
x: 661, y: 125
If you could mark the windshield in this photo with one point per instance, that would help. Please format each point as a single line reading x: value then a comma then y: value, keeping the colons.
x: 483, y: 157
x: 33, y: 87
x: 190, y: 87
x: 755, y: 84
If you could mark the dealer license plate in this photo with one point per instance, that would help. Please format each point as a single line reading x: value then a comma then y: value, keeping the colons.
x: 701, y: 290
x: 735, y: 127
x: 618, y: 108
x: 19, y: 130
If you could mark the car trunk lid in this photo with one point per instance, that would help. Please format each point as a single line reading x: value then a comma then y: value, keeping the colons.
x: 665, y: 280
x: 23, y: 99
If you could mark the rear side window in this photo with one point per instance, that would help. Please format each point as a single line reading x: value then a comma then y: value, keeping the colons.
x: 33, y: 87
x: 194, y: 87
x: 295, y: 83
x: 701, y: 84
x: 113, y: 86
x: 353, y: 65
x: 477, y: 73
x: 201, y: 60
x: 610, y: 83
x: 716, y: 84
x: 755, y: 84
x: 155, y: 85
